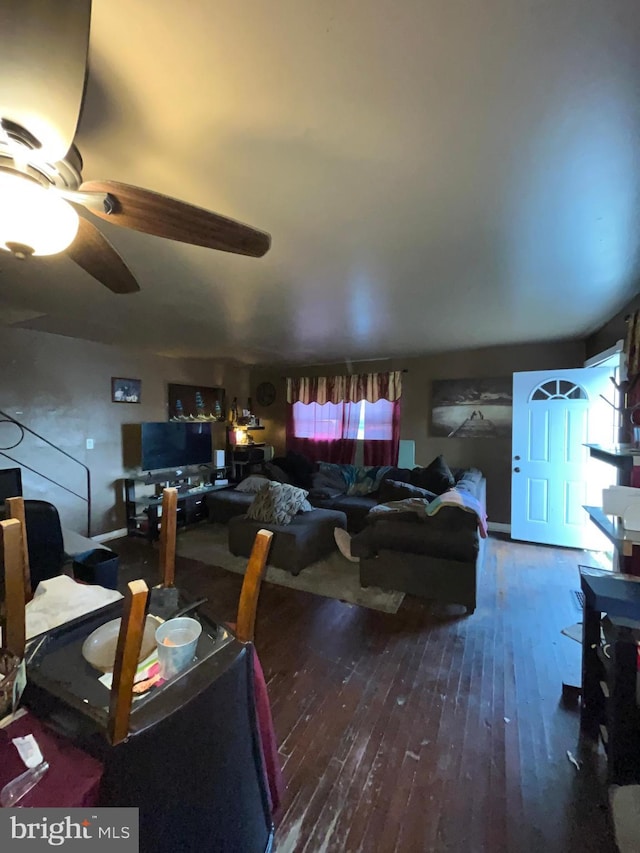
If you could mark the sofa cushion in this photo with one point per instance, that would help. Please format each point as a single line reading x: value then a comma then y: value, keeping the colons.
x: 296, y: 467
x: 393, y: 490
x: 436, y: 477
x: 224, y: 504
x: 275, y: 472
x: 252, y: 484
x: 299, y: 468
x: 325, y: 494
x: 450, y: 534
x: 399, y: 475
x: 276, y: 503
x: 328, y: 482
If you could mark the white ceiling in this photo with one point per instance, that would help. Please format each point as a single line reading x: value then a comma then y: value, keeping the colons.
x: 435, y: 175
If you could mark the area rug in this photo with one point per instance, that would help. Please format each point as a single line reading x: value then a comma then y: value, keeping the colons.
x: 333, y: 577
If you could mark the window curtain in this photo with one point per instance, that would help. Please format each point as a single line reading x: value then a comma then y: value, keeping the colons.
x: 378, y: 449
x: 329, y: 432
x: 381, y: 444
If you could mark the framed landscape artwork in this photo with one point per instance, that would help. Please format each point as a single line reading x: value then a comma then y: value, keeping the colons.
x: 472, y: 408
x: 125, y: 390
x: 188, y: 402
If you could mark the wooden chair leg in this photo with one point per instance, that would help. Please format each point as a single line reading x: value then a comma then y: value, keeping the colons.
x: 126, y: 662
x: 168, y: 530
x: 248, y: 605
x: 14, y: 508
x: 11, y: 548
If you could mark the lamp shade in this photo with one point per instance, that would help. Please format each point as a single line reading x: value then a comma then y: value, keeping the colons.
x: 33, y: 217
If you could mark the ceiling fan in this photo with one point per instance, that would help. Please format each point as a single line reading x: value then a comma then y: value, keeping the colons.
x: 43, y: 73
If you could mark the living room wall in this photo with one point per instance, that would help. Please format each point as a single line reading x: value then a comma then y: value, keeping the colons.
x: 61, y: 388
x: 613, y: 330
x: 492, y: 456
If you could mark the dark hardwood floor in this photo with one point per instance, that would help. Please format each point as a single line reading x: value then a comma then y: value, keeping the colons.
x: 425, y: 730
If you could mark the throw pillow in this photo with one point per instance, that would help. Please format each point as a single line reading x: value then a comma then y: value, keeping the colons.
x: 276, y: 503
x: 252, y: 484
x: 436, y: 477
x: 300, y: 469
x: 275, y: 472
x: 392, y: 490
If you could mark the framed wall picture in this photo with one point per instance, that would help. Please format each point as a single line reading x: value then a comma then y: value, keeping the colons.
x: 472, y: 408
x: 125, y: 390
x: 186, y: 402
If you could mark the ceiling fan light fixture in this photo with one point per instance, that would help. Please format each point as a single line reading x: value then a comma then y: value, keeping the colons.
x: 34, y: 217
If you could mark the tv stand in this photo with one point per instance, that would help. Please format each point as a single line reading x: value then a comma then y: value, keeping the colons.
x: 143, y: 497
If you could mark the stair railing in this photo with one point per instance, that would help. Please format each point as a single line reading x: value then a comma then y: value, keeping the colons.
x: 6, y: 418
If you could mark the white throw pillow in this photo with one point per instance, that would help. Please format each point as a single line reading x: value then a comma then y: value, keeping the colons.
x: 252, y: 484
x: 277, y: 503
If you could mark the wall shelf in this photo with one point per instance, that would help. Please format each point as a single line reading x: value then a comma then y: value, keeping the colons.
x: 613, y: 529
x: 619, y: 455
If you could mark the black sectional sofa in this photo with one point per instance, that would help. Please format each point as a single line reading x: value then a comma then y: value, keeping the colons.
x: 327, y: 490
x: 436, y: 557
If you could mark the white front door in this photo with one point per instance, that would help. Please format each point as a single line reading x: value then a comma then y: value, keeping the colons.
x: 554, y: 414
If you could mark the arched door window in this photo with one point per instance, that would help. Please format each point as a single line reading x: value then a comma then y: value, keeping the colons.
x: 559, y: 389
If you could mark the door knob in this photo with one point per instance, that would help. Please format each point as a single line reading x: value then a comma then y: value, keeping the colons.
x: 517, y: 470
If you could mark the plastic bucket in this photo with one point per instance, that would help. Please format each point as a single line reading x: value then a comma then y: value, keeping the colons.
x: 99, y: 566
x: 177, y: 640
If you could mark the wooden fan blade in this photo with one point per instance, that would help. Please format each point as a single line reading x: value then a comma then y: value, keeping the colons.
x: 43, y: 65
x: 94, y: 253
x: 153, y: 213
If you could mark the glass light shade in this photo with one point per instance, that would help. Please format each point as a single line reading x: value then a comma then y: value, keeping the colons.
x: 32, y: 216
x: 241, y: 436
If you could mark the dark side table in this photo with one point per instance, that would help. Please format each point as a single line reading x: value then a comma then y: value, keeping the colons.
x: 610, y: 636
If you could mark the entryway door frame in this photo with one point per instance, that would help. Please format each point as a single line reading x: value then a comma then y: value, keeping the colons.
x: 555, y: 413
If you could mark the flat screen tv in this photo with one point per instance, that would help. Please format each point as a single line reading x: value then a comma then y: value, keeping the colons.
x: 175, y: 445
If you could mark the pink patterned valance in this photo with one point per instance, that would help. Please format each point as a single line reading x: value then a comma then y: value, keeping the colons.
x: 350, y: 389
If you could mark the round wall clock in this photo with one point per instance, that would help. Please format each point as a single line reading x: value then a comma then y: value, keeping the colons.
x: 266, y: 393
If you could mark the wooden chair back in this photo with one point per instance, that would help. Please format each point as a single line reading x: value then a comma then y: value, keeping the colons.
x: 11, y: 537
x: 168, y: 530
x: 248, y: 604
x: 126, y: 661
x: 129, y: 639
x: 14, y: 508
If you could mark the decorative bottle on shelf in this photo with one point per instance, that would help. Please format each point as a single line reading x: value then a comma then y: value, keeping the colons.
x: 217, y: 410
x: 199, y: 405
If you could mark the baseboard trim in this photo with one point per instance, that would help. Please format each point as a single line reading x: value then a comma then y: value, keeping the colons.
x: 112, y: 534
x: 499, y: 527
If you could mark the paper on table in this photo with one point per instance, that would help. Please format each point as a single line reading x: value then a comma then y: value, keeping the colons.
x: 143, y: 671
x: 61, y: 599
